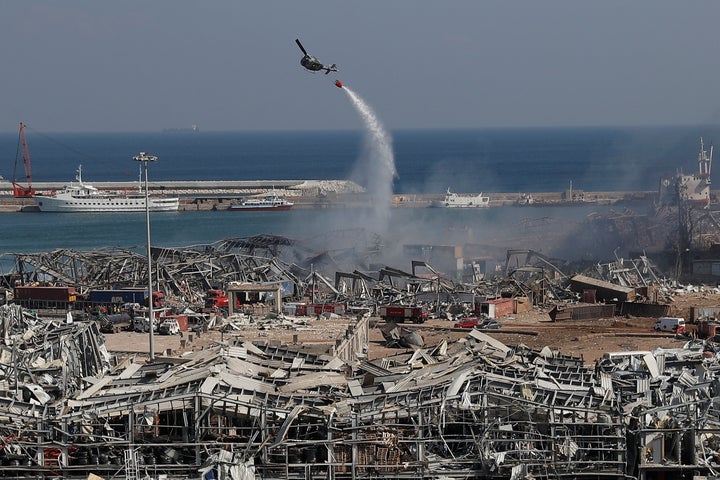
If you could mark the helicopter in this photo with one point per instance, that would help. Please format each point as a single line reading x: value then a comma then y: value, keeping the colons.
x: 313, y: 64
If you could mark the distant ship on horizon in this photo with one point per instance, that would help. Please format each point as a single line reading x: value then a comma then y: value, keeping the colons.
x: 192, y: 128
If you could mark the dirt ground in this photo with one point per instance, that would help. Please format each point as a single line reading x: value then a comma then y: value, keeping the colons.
x: 586, y: 339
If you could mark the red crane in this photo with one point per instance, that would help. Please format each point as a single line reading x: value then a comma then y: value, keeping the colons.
x: 20, y: 191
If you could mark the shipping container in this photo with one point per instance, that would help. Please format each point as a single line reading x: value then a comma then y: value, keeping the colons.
x: 313, y: 309
x: 581, y: 312
x: 65, y: 294
x: 122, y: 296
x: 45, y: 297
x: 118, y: 296
x: 294, y: 308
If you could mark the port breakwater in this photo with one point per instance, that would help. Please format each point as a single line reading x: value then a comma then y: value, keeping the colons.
x: 218, y: 195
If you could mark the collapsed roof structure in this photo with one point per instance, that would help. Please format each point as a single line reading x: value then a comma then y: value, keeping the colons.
x: 472, y: 409
x: 186, y: 273
x: 239, y: 410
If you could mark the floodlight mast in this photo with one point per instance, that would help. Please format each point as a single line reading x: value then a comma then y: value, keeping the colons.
x: 144, y: 158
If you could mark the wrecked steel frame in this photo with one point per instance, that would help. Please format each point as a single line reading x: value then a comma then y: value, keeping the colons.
x: 473, y: 409
x: 185, y: 274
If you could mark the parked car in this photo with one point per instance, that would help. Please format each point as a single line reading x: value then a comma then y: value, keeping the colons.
x: 488, y: 324
x: 468, y: 322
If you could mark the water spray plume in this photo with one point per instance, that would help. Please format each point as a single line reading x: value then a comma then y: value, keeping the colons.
x: 376, y: 167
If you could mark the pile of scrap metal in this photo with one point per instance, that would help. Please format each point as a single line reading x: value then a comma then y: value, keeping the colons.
x: 624, y: 287
x: 186, y: 274
x: 476, y: 408
x: 533, y: 275
x: 396, y: 335
x: 45, y: 360
x: 631, y: 272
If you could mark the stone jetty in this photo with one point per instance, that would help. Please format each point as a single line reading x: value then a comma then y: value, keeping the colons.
x: 217, y: 195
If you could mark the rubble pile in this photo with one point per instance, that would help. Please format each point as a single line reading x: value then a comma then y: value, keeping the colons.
x: 46, y: 360
x: 239, y: 409
x: 186, y: 274
x: 476, y: 408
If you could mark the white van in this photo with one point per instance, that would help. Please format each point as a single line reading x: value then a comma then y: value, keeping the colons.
x: 670, y: 324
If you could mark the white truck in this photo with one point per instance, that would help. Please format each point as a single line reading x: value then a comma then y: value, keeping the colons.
x: 670, y: 324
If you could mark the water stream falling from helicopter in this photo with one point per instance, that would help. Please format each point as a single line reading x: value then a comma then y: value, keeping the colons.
x: 376, y: 168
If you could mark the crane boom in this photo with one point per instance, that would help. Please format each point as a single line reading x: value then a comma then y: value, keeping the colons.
x: 20, y: 191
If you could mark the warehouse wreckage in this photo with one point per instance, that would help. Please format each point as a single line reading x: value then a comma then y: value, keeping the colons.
x: 471, y: 409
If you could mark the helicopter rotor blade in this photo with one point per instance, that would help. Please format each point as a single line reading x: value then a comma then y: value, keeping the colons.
x: 301, y: 47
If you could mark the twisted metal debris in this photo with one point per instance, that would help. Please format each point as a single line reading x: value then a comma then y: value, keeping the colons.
x: 472, y: 409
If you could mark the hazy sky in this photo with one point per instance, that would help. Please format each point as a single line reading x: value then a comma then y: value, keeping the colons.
x: 224, y: 65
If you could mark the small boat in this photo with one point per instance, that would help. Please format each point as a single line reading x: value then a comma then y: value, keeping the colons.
x: 268, y: 202
x: 525, y: 199
x: 83, y: 197
x: 454, y: 200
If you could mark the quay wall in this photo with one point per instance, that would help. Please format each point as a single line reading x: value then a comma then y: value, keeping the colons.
x: 310, y: 194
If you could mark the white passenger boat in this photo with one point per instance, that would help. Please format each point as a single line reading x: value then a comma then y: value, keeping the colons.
x: 455, y: 200
x: 82, y: 197
x: 268, y: 202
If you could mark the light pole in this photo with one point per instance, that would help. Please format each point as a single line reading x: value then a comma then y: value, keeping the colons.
x: 145, y: 159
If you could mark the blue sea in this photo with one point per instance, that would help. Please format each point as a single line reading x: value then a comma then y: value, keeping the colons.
x: 482, y: 160
x: 487, y: 160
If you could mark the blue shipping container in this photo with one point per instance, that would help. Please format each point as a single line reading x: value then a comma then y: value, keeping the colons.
x: 118, y: 296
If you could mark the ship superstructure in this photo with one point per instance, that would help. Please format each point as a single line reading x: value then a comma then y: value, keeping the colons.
x: 692, y: 189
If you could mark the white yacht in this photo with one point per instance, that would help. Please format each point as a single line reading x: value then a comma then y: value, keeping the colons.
x: 454, y: 200
x: 82, y: 197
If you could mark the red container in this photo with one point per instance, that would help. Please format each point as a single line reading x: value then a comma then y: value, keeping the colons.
x: 56, y: 294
